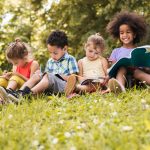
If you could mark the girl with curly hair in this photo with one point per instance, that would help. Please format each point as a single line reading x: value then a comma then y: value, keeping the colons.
x: 130, y: 29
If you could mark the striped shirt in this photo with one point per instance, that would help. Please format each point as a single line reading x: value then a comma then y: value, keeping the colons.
x: 66, y: 65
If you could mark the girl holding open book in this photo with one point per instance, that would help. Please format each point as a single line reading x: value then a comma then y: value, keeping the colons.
x: 18, y: 54
x: 92, y: 68
x: 130, y: 29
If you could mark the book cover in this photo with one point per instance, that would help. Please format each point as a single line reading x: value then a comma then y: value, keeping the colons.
x: 139, y: 57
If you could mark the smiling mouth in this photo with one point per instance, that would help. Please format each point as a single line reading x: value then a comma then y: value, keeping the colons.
x: 125, y: 39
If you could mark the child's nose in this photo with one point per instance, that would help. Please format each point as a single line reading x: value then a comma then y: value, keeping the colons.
x: 125, y: 34
x: 92, y: 54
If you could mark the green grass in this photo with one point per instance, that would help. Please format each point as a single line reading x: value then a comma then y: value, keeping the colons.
x: 90, y: 121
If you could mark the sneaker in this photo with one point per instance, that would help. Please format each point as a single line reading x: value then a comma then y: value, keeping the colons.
x: 115, y: 86
x: 15, y: 95
x: 26, y: 91
x: 2, y: 101
x: 70, y: 85
x: 4, y: 93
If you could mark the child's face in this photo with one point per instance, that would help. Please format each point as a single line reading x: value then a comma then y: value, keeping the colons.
x: 126, y: 35
x: 56, y: 52
x: 91, y: 52
x: 18, y: 62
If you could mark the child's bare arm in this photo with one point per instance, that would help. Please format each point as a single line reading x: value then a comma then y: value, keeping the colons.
x: 105, y: 65
x: 14, y: 68
x: 80, y: 67
x: 111, y: 62
x: 34, y: 67
x: 105, y: 68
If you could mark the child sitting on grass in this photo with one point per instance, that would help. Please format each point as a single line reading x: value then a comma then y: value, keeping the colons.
x: 130, y: 29
x: 57, y: 70
x: 92, y: 66
x: 18, y: 54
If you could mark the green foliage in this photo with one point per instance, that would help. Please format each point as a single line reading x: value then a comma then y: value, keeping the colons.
x: 33, y: 20
x: 91, y: 121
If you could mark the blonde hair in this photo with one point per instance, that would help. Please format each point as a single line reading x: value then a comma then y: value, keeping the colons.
x: 97, y: 40
x: 18, y: 50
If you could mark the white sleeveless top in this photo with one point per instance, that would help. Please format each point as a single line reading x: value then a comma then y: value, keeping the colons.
x: 92, y: 69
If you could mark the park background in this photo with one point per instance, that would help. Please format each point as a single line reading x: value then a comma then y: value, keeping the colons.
x: 33, y: 20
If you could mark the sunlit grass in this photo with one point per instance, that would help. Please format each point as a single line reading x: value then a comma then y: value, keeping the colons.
x: 90, y: 121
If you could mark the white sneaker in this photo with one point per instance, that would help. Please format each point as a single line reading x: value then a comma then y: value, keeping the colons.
x: 13, y: 98
x: 115, y: 86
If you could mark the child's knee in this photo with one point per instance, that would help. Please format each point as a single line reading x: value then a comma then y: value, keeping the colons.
x: 45, y: 79
x: 122, y: 70
x: 137, y: 74
x: 16, y: 80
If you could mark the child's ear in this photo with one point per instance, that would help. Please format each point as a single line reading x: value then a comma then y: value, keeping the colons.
x: 65, y: 48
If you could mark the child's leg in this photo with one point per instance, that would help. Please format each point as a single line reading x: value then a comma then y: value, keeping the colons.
x: 3, y: 82
x: 117, y: 85
x: 121, y: 75
x: 142, y: 76
x: 51, y: 84
x: 12, y: 85
x: 41, y: 86
x: 36, y: 77
x: 15, y: 82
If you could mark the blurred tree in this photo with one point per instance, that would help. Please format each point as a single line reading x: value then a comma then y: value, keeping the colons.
x: 80, y: 18
x: 33, y: 20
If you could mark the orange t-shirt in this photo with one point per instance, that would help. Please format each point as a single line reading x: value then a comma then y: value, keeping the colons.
x: 25, y: 70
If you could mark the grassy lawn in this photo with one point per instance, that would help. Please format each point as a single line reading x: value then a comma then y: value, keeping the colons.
x: 90, y: 121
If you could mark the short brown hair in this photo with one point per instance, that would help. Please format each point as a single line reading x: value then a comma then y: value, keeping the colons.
x: 16, y: 49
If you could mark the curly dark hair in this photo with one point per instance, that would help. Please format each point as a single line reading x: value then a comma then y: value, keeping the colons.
x: 134, y: 21
x: 58, y: 38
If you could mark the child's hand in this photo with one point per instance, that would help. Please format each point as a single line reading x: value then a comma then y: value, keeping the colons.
x: 6, y: 74
x: 105, y: 80
x: 146, y: 69
x: 5, y: 71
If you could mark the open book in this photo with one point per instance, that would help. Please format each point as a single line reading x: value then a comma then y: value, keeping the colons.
x: 139, y: 57
x: 92, y: 80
